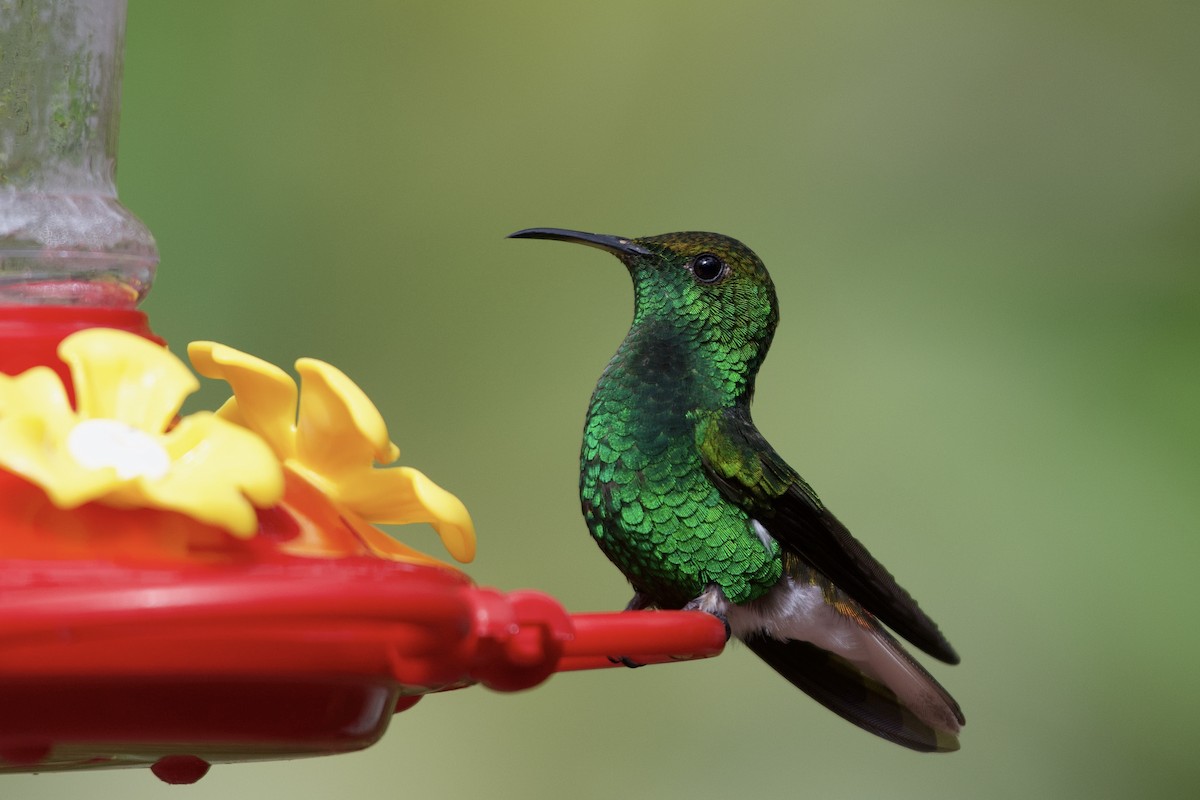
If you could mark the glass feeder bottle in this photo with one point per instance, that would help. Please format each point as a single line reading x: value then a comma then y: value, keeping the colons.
x: 65, y: 239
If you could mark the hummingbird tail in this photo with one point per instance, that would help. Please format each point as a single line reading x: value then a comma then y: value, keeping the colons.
x: 928, y: 724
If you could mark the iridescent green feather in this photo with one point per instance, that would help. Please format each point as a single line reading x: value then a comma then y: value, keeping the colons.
x: 752, y: 475
x: 646, y: 496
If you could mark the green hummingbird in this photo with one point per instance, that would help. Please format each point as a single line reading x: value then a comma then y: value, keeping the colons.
x: 688, y: 499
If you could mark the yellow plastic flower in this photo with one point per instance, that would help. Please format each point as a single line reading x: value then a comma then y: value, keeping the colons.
x: 332, y: 436
x: 118, y: 445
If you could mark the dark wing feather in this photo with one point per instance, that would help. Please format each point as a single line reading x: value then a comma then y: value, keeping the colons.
x: 844, y: 690
x: 751, y: 474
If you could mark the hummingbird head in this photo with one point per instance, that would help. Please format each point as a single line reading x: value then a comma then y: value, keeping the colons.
x: 709, y: 289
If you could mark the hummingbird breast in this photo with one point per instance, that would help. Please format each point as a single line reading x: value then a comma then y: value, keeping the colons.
x: 645, y: 495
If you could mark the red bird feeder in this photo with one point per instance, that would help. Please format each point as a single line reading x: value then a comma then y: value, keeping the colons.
x: 178, y: 591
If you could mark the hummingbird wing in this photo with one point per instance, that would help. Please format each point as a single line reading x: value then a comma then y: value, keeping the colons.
x: 848, y: 692
x: 749, y: 473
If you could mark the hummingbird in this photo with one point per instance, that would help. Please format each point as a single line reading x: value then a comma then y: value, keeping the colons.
x: 690, y: 502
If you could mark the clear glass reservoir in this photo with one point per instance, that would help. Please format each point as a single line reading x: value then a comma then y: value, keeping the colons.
x: 65, y: 239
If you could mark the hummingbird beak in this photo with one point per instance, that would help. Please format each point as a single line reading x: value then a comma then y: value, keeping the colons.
x: 617, y: 245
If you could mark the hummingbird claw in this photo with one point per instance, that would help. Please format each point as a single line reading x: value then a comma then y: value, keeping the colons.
x: 718, y: 614
x: 639, y: 602
x: 626, y: 661
x: 713, y: 602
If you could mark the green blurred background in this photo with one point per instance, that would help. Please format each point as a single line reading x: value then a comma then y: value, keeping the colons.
x: 982, y: 220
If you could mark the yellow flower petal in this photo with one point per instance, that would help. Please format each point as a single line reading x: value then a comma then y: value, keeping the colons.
x: 35, y: 419
x: 383, y: 545
x: 401, y: 495
x: 36, y: 391
x: 36, y: 450
x: 118, y: 375
x: 338, y: 430
x: 267, y: 403
x: 116, y: 448
x: 220, y: 471
x: 332, y: 438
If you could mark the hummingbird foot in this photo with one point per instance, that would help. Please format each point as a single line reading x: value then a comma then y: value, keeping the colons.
x: 639, y: 602
x: 713, y: 602
x: 626, y: 661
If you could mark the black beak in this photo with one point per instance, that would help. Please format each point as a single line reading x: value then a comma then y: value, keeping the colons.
x: 617, y: 245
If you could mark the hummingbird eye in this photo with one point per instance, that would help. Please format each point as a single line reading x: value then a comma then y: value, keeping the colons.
x: 708, y: 268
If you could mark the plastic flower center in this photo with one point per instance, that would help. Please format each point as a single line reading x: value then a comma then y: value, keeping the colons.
x: 99, y: 443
